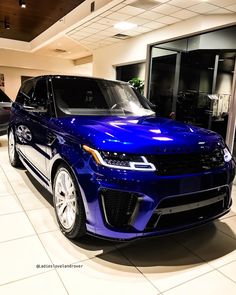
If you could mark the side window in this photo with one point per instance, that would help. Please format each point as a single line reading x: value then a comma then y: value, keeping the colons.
x: 33, y: 93
x: 25, y: 93
x: 40, y: 96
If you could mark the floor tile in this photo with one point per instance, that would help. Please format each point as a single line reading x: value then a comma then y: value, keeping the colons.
x: 20, y: 257
x: 47, y: 283
x: 107, y: 274
x: 14, y: 226
x: 164, y: 262
x: 5, y: 187
x: 228, y: 226
x: 30, y: 201
x: 22, y: 186
x: 229, y: 270
x: 43, y: 220
x: 212, y: 283
x: 9, y: 204
x: 210, y: 244
x: 62, y: 250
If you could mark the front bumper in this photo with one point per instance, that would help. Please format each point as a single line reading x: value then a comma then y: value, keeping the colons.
x: 127, y: 205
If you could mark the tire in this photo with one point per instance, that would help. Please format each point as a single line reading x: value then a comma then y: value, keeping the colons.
x: 12, y: 152
x: 68, y: 204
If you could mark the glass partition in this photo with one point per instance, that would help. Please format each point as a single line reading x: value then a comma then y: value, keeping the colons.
x: 190, y: 79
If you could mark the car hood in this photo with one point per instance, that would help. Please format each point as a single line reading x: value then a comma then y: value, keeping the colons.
x: 139, y: 134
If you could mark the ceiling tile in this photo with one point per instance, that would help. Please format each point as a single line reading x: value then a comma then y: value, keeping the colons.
x: 111, y: 30
x: 128, y: 1
x: 106, y: 33
x: 98, y: 26
x: 97, y: 18
x: 154, y: 25
x: 77, y: 38
x: 166, y: 9
x: 142, y: 29
x: 107, y: 21
x: 184, y: 14
x: 151, y: 15
x: 222, y: 3
x: 80, y: 35
x: 117, y: 7
x: 168, y: 20
x: 183, y: 3
x: 130, y: 10
x: 88, y: 30
x: 118, y: 16
x: 132, y: 33
x: 203, y: 7
x: 221, y: 11
x: 232, y: 7
x: 138, y: 20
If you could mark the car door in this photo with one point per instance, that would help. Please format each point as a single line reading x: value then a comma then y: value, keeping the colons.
x: 37, y: 120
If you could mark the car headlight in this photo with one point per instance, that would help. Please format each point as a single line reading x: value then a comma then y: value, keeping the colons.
x: 120, y: 160
x: 227, y: 155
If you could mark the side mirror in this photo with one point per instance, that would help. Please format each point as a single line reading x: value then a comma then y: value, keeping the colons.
x: 35, y: 109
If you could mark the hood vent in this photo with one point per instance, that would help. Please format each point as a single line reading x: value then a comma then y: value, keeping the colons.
x: 121, y: 36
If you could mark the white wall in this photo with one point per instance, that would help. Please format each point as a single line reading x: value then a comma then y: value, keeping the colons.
x: 14, y: 64
x: 85, y: 69
x: 135, y: 49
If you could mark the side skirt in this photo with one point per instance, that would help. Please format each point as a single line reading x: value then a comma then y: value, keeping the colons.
x: 43, y: 180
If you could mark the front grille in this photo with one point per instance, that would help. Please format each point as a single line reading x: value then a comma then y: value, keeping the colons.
x: 176, y: 164
x: 173, y: 212
x: 118, y: 207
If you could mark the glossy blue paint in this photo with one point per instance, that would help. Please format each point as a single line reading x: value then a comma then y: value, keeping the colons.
x: 61, y: 139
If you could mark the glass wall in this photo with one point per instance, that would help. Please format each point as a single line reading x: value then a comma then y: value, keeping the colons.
x: 190, y: 79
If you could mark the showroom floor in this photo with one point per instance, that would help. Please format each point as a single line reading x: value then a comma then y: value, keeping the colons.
x: 200, y: 261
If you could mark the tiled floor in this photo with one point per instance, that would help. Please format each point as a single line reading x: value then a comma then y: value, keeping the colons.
x: 200, y: 261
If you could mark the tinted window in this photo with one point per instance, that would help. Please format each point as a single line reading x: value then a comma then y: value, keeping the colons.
x: 28, y: 88
x: 25, y: 92
x: 33, y: 93
x: 87, y: 96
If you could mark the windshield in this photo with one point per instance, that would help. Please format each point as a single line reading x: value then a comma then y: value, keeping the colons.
x: 95, y: 97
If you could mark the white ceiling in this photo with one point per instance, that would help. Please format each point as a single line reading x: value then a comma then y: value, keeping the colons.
x: 97, y: 30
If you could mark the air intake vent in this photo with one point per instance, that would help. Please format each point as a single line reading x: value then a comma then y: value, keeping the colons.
x: 147, y: 4
x: 60, y: 50
x: 121, y: 36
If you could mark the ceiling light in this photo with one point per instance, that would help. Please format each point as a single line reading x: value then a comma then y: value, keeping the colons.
x: 22, y: 3
x: 125, y: 26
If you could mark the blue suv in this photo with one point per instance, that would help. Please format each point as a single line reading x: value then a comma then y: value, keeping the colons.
x: 114, y: 168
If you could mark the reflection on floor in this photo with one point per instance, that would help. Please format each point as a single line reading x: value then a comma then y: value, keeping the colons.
x: 200, y: 261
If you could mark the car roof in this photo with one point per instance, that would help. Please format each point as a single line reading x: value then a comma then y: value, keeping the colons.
x: 72, y: 76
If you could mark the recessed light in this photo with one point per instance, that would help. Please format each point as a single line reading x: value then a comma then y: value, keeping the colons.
x: 22, y: 3
x: 125, y: 26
